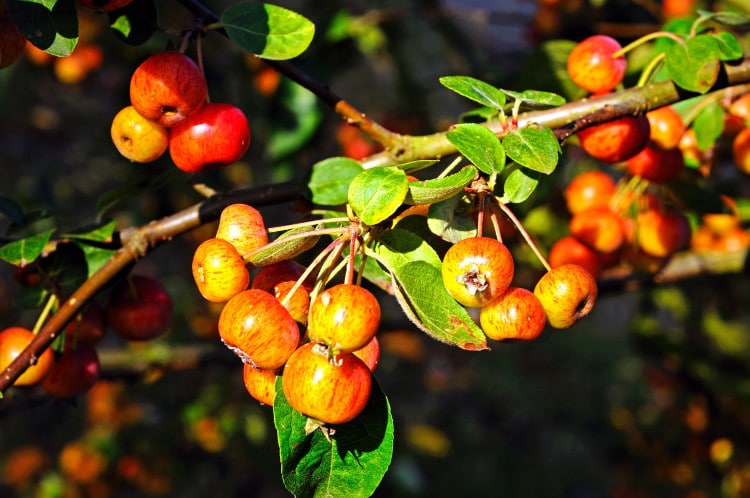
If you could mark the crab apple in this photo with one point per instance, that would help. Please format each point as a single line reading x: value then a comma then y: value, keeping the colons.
x: 88, y: 326
x: 167, y: 87
x: 331, y: 391
x: 298, y: 304
x: 516, y: 314
x: 138, y: 139
x: 218, y: 270
x: 616, y: 140
x: 258, y: 329
x: 662, y: 232
x: 476, y: 269
x: 567, y: 293
x: 104, y: 5
x: 13, y: 340
x: 73, y: 372
x: 741, y: 150
x: 666, y: 127
x: 589, y: 189
x: 592, y: 64
x: 84, y: 59
x: 344, y: 317
x: 569, y: 249
x: 740, y: 107
x: 272, y: 275
x: 139, y: 308
x: 369, y: 353
x: 600, y: 228
x: 243, y: 226
x: 260, y: 383
x: 216, y: 135
x: 12, y: 41
x: 657, y: 165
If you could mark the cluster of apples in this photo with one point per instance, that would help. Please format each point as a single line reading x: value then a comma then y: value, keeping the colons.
x: 324, y: 348
x: 138, y: 308
x: 170, y: 110
x: 478, y: 272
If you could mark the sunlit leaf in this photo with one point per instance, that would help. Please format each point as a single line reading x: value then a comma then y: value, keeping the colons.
x: 479, y: 145
x: 330, y: 179
x: 449, y: 222
x: 475, y: 90
x: 288, y: 245
x: 534, y: 147
x: 267, y: 30
x: 376, y: 193
x: 439, y: 189
x: 519, y: 185
x: 398, y: 247
x: 27, y: 250
x: 694, y: 65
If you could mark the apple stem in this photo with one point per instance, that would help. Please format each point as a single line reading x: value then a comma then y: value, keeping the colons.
x: 349, y: 279
x: 525, y: 234
x: 646, y: 38
x: 496, y: 225
x: 51, y: 303
x: 281, y: 228
x: 650, y: 69
x: 199, y: 57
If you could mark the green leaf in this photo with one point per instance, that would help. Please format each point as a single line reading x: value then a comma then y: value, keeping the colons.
x: 288, y: 245
x: 351, y: 464
x: 24, y: 251
x: 535, y: 147
x: 51, y: 25
x: 376, y: 193
x: 475, y: 90
x: 731, y: 19
x: 99, y: 234
x: 709, y: 125
x: 694, y: 65
x: 412, y: 166
x: 479, y: 145
x: 330, y: 179
x: 439, y: 189
x: 397, y: 247
x: 424, y: 299
x: 296, y: 120
x: 450, y: 221
x: 95, y: 257
x: 728, y: 45
x: 535, y: 99
x: 135, y: 23
x: 519, y: 185
x: 268, y: 31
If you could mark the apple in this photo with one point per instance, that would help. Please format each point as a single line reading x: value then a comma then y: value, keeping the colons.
x: 616, y: 140
x: 569, y: 249
x: 139, y: 308
x: 592, y: 64
x: 516, y: 314
x: 657, y: 165
x: 567, y: 293
x: 73, y: 372
x: 74, y: 68
x: 216, y: 135
x: 167, y: 87
x: 139, y: 139
x: 593, y: 188
x: 13, y: 341
x: 243, y: 226
x: 600, y: 228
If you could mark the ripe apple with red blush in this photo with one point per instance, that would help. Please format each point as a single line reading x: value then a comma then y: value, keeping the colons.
x: 74, y: 371
x: 218, y: 270
x: 13, y: 341
x: 567, y: 293
x: 214, y: 136
x: 569, y: 249
x: 260, y: 383
x: 369, y: 353
x: 657, y: 165
x: 168, y: 87
x: 600, y: 228
x: 243, y: 226
x: 139, y: 308
x: 592, y: 64
x: 136, y: 138
x: 666, y: 127
x: 516, y: 314
x: 593, y: 188
x: 616, y: 140
x: 88, y: 326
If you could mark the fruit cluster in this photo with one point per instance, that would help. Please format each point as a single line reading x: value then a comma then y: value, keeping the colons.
x: 478, y: 272
x: 170, y: 110
x: 324, y: 347
x: 138, y: 308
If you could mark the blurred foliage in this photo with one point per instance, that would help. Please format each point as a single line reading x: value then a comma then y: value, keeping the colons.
x: 648, y: 397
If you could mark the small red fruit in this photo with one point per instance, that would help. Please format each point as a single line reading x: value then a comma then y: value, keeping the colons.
x: 218, y: 270
x: 515, y: 314
x: 616, y: 140
x: 589, y: 189
x: 666, y: 127
x: 136, y: 138
x: 571, y: 250
x: 260, y: 383
x: 741, y: 150
x: 298, y: 304
x: 477, y: 269
x: 331, y: 391
x: 343, y: 317
x: 567, y: 293
x: 243, y: 226
x: 77, y: 66
x: 662, y: 232
x: 592, y: 64
x: 73, y: 372
x: 657, y: 165
x: 88, y: 326
x: 271, y: 275
x: 370, y: 353
x: 258, y: 329
x: 139, y: 308
x: 600, y: 228
x: 13, y: 340
x: 216, y: 135
x: 168, y: 87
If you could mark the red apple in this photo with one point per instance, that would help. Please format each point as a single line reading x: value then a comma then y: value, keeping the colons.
x: 139, y: 308
x: 73, y: 372
x: 216, y: 135
x: 567, y: 293
x: 168, y: 87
